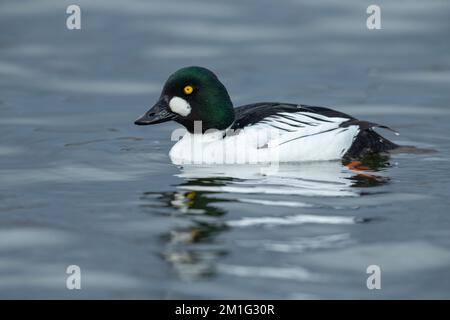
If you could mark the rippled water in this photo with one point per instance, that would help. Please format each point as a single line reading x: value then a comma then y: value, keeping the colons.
x: 80, y: 184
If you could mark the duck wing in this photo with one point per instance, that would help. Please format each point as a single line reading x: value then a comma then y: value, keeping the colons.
x: 297, y: 122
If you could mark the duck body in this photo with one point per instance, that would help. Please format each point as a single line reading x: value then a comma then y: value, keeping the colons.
x: 281, y: 132
x: 256, y: 133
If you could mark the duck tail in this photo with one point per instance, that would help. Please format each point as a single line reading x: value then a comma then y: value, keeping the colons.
x: 368, y: 141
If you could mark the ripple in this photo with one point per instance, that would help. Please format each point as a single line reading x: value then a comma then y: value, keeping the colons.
x: 293, y: 204
x: 300, y: 244
x: 290, y: 220
x: 31, y: 237
x: 297, y: 273
x: 10, y: 150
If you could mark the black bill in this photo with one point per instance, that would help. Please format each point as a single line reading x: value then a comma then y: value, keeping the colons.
x: 159, y: 113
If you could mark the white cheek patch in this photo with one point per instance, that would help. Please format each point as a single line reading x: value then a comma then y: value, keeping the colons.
x: 180, y: 106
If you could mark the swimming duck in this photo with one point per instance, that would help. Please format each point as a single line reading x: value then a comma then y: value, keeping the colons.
x: 216, y: 132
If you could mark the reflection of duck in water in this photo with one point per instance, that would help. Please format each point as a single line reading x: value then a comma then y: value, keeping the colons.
x: 321, y: 179
x: 195, y: 202
x: 201, y: 199
x: 190, y: 249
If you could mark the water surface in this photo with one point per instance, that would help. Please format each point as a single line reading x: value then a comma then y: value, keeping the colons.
x: 80, y: 184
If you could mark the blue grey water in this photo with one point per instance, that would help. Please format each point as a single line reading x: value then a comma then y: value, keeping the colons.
x: 81, y: 185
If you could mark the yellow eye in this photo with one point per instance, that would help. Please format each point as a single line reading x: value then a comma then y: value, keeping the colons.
x: 188, y: 89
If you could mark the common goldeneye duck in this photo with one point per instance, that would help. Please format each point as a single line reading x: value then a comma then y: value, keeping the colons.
x: 255, y: 133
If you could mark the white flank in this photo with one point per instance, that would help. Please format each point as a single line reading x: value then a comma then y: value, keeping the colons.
x: 286, y: 137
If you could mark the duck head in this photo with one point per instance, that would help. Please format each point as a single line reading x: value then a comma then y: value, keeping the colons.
x: 192, y: 94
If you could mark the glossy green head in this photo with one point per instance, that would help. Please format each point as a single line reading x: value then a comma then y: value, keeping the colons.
x: 192, y: 94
